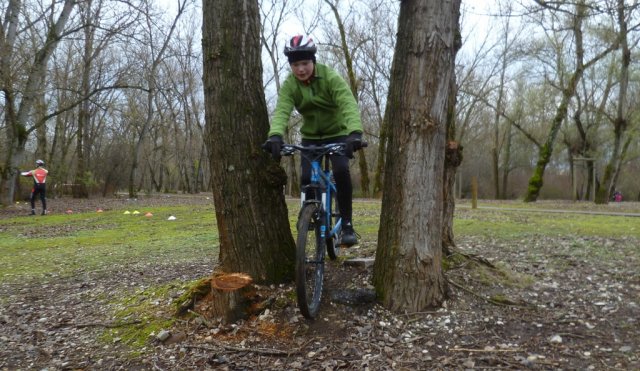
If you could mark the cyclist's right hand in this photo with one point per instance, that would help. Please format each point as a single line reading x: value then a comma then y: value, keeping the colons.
x: 274, y: 145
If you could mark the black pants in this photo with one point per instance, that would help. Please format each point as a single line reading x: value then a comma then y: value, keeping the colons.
x: 341, y: 174
x: 39, y: 189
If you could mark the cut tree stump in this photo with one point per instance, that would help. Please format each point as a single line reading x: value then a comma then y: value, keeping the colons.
x: 232, y: 296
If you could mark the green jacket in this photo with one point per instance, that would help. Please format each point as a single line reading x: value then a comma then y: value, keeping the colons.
x: 327, y: 106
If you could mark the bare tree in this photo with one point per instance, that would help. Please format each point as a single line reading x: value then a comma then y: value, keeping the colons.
x: 98, y: 37
x: 621, y: 121
x: 353, y: 85
x: 407, y: 273
x: 187, y: 110
x: 502, y: 133
x: 577, y: 17
x: 156, y: 49
x: 20, y: 96
x: 378, y: 28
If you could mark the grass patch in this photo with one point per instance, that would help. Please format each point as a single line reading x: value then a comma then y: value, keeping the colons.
x: 509, y: 225
x: 63, y: 244
x: 143, y: 315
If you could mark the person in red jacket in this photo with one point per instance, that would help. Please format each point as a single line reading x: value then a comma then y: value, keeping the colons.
x: 39, y: 176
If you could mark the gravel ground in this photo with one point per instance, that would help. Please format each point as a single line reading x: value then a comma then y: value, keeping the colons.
x: 560, y: 309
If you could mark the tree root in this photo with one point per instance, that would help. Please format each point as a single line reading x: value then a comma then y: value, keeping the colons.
x: 472, y: 257
x: 500, y: 302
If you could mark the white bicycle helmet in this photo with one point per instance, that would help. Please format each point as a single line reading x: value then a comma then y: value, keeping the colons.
x: 300, y: 48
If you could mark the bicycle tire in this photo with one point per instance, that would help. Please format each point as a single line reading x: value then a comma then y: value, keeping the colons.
x: 310, y: 247
x: 332, y: 241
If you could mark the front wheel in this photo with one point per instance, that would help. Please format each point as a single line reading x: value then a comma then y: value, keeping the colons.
x: 310, y: 247
x: 333, y: 246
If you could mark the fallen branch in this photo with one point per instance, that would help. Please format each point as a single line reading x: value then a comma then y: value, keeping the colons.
x: 98, y: 324
x: 488, y: 350
x: 571, y: 335
x: 261, y: 351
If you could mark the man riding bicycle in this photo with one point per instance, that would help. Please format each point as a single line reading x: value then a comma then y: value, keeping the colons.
x: 330, y: 115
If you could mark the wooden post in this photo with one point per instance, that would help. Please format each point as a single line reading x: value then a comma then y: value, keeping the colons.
x: 574, y: 181
x: 474, y: 192
x: 593, y: 192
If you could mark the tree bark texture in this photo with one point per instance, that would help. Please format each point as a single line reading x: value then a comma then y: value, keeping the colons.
x: 407, y: 273
x: 453, y: 159
x: 251, y: 214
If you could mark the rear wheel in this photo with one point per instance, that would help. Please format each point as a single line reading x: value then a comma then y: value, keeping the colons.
x: 309, y: 260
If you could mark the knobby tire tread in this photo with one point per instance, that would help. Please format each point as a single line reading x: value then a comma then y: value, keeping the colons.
x: 309, y: 273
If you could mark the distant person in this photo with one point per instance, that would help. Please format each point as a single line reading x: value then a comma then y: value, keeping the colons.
x: 39, y: 176
x: 330, y: 115
x: 617, y: 196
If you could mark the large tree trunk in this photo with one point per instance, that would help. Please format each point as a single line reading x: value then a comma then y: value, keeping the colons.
x: 252, y: 218
x: 407, y: 272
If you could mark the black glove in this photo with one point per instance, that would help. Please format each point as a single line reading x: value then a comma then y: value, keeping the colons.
x: 274, y: 145
x: 354, y: 143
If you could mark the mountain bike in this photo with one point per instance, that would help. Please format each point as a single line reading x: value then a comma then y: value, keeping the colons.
x: 318, y: 226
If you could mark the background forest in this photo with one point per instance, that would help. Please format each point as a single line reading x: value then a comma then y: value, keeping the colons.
x: 109, y: 93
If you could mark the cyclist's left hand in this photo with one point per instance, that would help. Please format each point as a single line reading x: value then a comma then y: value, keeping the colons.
x: 354, y: 143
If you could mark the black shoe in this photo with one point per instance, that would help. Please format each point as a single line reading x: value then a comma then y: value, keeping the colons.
x: 348, y: 236
x: 33, y: 212
x: 44, y: 212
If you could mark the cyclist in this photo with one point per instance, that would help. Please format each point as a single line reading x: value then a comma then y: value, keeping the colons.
x: 39, y: 176
x: 330, y: 115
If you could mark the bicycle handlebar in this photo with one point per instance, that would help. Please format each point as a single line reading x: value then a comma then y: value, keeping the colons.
x: 315, y: 150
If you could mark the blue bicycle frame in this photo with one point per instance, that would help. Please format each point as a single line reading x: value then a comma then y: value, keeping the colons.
x: 323, y: 178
